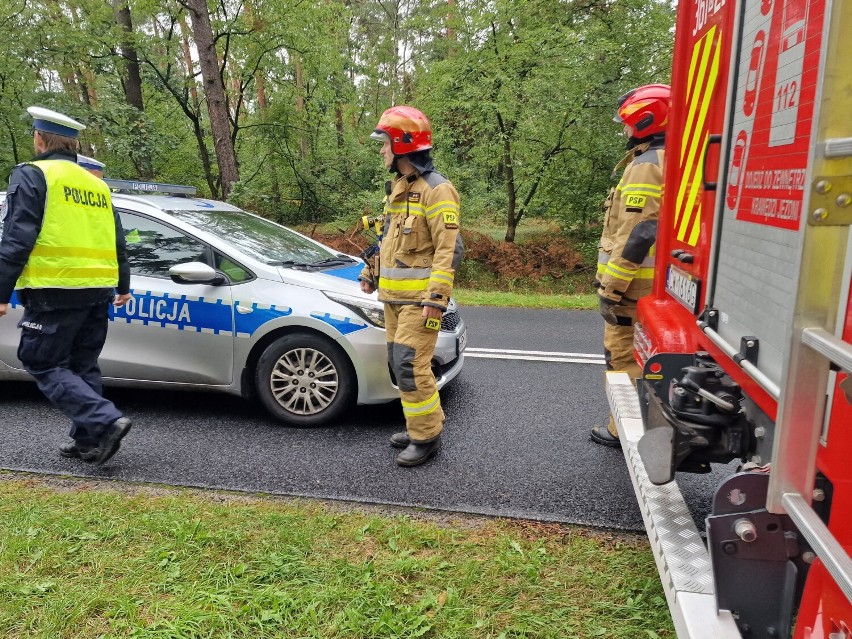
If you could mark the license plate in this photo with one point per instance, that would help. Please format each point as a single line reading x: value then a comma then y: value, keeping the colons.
x: 683, y: 287
x: 461, y: 343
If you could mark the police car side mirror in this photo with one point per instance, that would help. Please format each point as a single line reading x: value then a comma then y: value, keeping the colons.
x: 196, y: 273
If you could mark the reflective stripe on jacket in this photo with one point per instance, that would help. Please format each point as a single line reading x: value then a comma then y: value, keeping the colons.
x: 421, y: 246
x: 626, y: 250
x: 76, y: 246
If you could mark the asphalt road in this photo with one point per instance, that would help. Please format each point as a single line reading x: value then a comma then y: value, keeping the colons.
x: 516, y: 441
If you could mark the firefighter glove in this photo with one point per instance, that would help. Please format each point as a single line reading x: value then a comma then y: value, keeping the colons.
x: 607, y: 310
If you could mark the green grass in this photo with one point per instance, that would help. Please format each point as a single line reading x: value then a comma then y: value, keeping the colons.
x: 471, y: 297
x: 89, y: 560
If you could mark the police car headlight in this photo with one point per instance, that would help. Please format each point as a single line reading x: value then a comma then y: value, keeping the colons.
x: 372, y: 311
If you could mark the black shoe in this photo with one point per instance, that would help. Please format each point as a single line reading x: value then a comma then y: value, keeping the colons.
x: 418, y: 452
x: 74, y: 450
x: 400, y: 440
x: 110, y: 442
x: 601, y: 435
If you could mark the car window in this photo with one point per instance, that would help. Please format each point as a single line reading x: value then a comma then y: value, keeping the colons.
x: 153, y: 248
x: 255, y: 236
x: 234, y: 271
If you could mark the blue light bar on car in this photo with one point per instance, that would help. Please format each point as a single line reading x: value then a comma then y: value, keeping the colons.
x: 150, y: 187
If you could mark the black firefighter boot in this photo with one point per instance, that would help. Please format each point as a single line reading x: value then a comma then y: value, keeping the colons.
x: 419, y: 452
x: 601, y: 435
x: 402, y: 440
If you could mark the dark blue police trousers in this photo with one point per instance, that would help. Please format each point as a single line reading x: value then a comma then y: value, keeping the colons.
x: 60, y: 349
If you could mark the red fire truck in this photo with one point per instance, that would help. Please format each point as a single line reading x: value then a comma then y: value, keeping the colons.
x: 746, y: 341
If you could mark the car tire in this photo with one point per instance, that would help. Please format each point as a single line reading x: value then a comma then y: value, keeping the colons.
x: 305, y: 380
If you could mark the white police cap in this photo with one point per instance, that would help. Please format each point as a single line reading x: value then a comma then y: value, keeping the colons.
x: 53, y: 122
x: 90, y: 163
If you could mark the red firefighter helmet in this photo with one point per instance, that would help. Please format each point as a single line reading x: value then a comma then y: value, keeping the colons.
x: 406, y: 127
x: 645, y: 110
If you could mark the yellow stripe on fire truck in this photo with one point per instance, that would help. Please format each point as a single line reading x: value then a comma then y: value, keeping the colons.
x: 703, y: 75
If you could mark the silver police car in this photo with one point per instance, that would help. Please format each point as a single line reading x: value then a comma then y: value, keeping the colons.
x: 227, y: 301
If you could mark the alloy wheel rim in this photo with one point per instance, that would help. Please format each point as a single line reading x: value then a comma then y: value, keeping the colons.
x: 304, y: 381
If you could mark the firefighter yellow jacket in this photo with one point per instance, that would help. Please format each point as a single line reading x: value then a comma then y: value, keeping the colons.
x: 421, y: 247
x: 626, y: 250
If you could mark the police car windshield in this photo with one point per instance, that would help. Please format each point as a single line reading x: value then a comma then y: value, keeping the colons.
x: 259, y: 238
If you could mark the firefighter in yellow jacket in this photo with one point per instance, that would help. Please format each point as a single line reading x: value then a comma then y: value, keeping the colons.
x: 420, y: 251
x: 626, y: 251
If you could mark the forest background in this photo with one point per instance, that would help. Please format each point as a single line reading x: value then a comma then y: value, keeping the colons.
x: 269, y: 104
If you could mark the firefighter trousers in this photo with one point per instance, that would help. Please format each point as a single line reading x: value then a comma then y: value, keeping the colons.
x: 618, y: 353
x: 410, y: 349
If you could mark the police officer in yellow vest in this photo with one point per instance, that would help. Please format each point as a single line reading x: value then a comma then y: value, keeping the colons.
x: 420, y: 251
x: 63, y: 252
x: 626, y: 251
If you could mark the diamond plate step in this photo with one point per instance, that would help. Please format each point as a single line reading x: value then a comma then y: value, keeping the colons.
x: 682, y: 559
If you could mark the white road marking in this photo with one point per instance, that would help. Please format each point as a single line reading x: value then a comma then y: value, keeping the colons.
x: 536, y: 356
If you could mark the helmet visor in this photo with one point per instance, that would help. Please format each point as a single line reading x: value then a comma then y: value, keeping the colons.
x: 379, y: 135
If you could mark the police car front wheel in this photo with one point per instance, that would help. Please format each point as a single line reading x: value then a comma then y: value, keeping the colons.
x: 305, y: 380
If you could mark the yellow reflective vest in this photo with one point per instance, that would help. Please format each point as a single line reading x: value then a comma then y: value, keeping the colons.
x: 76, y: 245
x: 626, y: 251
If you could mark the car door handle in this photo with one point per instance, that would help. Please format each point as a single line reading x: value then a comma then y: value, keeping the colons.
x: 243, y: 310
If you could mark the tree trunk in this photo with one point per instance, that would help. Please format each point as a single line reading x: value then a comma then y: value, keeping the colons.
x: 13, y: 141
x: 91, y: 88
x: 338, y: 123
x: 131, y: 82
x: 257, y: 26
x: 132, y: 78
x: 190, y: 65
x: 450, y: 32
x: 192, y: 111
x: 205, y: 158
x: 85, y: 92
x: 69, y: 82
x: 261, y: 92
x: 214, y: 93
x: 300, y: 106
x: 509, y: 176
x: 235, y: 95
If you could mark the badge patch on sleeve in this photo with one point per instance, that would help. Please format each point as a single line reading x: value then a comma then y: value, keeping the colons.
x: 451, y: 219
x: 637, y: 201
